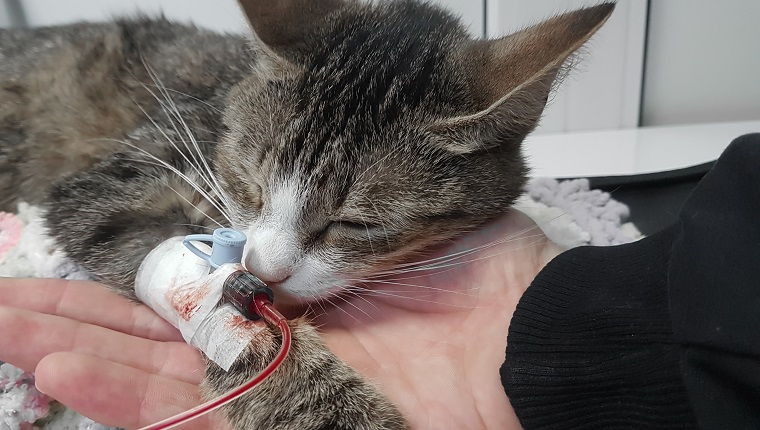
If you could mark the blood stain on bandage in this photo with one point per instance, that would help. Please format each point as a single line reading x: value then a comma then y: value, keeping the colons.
x: 243, y: 328
x: 240, y: 322
x: 186, y: 301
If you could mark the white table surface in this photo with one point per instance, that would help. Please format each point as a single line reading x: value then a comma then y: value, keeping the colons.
x: 628, y: 152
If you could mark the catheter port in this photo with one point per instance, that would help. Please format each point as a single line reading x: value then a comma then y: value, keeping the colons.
x: 240, y: 288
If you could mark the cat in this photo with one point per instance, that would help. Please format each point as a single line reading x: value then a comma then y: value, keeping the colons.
x: 342, y: 138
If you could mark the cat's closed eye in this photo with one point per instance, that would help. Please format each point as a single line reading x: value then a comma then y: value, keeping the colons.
x: 354, y: 226
x: 350, y: 228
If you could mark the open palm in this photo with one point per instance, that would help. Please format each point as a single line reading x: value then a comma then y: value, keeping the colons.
x: 432, y: 337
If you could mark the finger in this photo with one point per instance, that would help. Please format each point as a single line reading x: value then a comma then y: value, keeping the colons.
x: 88, y: 302
x: 27, y: 337
x: 114, y: 394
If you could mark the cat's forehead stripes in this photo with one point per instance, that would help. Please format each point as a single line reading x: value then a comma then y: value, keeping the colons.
x: 365, y: 77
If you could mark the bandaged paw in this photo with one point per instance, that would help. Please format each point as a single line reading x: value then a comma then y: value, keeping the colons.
x: 183, y: 290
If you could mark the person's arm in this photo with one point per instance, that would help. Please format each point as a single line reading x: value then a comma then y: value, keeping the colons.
x: 661, y: 332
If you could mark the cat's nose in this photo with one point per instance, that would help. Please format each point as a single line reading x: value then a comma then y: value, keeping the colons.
x: 268, y: 271
x: 271, y: 254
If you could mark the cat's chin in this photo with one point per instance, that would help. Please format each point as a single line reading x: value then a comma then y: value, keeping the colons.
x: 285, y: 297
x: 293, y: 304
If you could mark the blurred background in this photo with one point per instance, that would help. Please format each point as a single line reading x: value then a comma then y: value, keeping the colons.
x: 661, y: 62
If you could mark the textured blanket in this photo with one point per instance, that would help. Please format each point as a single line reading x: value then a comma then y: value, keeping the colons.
x: 569, y: 213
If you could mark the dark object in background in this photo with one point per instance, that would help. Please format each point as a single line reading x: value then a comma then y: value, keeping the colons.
x: 655, y: 199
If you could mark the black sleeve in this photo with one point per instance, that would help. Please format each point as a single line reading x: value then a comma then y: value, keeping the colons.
x: 660, y: 333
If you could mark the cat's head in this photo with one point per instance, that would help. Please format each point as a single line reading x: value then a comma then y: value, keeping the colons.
x: 367, y: 132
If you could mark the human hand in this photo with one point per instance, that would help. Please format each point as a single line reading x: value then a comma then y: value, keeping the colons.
x: 110, y: 359
x: 433, y: 341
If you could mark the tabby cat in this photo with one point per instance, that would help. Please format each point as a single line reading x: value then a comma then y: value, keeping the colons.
x: 342, y: 138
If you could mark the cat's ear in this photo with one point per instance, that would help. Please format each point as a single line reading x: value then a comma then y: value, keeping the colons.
x: 511, y: 79
x: 284, y: 25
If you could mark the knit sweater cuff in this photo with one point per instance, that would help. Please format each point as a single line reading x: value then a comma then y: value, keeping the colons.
x: 591, y: 343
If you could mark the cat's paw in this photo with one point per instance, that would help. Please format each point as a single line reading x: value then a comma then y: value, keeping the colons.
x: 312, y: 389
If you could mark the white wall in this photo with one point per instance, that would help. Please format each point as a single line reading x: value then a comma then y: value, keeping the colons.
x: 5, y: 20
x: 604, y: 91
x: 703, y: 62
x: 472, y: 13
x: 11, y: 14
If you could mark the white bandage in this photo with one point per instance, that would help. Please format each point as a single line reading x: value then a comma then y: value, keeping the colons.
x: 181, y: 288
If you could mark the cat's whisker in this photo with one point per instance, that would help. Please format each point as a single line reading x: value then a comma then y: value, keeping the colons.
x: 418, y: 287
x: 195, y: 128
x: 358, y: 296
x: 309, y: 309
x: 417, y: 294
x: 422, y: 273
x: 174, y: 170
x: 318, y: 300
x: 448, y: 257
x: 172, y: 110
x: 217, y: 110
x: 192, y: 164
x: 430, y: 263
x: 341, y: 309
x: 172, y: 114
x: 204, y: 227
x: 195, y: 207
x: 312, y: 311
x: 540, y: 239
x: 348, y: 302
x: 369, y: 236
x: 210, y: 218
x: 382, y: 223
x: 216, y: 186
x: 386, y: 294
x: 188, y: 180
x: 438, y: 268
x: 169, y: 116
x: 398, y: 295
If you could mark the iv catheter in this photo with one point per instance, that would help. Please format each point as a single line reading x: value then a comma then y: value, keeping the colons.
x: 246, y: 293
